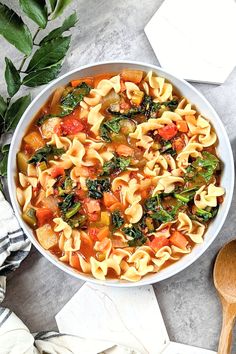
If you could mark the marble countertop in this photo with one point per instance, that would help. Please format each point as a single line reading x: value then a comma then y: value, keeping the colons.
x: 110, y: 30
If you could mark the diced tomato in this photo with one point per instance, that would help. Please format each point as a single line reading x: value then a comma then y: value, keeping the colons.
x: 168, y: 131
x: 57, y: 171
x: 103, y: 233
x: 178, y: 144
x: 159, y: 242
x: 124, y: 150
x: 44, y: 216
x: 92, y: 205
x: 220, y: 199
x: 109, y: 199
x: 178, y: 239
x: 93, y: 217
x: 93, y: 231
x: 81, y: 194
x: 182, y: 126
x: 28, y: 149
x: 69, y: 126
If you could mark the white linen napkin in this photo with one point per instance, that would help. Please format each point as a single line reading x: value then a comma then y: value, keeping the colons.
x: 194, y: 39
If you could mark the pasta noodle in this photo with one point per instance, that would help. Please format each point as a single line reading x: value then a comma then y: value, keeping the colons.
x: 124, y: 181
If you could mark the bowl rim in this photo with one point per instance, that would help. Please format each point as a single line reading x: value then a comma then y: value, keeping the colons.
x: 117, y: 283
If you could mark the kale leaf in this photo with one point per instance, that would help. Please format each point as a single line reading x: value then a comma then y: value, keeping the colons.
x: 73, y: 98
x: 117, y: 219
x: 111, y: 126
x: 45, y: 154
x: 204, y: 167
x: 172, y: 105
x: 116, y: 164
x: 69, y: 207
x: 96, y: 187
x: 138, y: 238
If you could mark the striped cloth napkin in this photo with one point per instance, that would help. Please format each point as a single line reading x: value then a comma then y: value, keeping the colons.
x: 15, y: 337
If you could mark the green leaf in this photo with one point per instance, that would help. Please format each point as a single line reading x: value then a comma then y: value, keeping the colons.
x: 36, y: 10
x: 45, y: 153
x: 117, y: 219
x: 57, y: 32
x: 13, y: 29
x: 42, y: 77
x: 49, y: 54
x: 3, y: 106
x: 96, y: 187
x: 73, y: 98
x: 60, y: 7
x: 12, y: 78
x: 53, y: 4
x: 3, y: 161
x: 15, y: 112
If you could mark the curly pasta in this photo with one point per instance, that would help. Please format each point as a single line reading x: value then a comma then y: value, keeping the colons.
x: 124, y: 180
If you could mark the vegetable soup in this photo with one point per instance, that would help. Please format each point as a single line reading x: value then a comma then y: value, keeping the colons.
x: 118, y: 175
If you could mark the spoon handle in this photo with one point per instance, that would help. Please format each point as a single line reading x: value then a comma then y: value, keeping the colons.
x: 229, y: 311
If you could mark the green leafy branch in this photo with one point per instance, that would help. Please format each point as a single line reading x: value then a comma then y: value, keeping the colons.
x: 35, y: 69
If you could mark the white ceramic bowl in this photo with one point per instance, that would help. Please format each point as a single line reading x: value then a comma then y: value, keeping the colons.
x: 187, y: 90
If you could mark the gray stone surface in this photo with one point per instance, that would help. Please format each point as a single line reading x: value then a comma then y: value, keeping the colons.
x: 110, y: 29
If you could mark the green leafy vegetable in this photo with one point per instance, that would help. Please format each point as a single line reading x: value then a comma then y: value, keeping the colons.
x: 57, y: 32
x: 15, y: 112
x: 110, y: 126
x: 42, y: 76
x: 96, y: 187
x: 72, y: 211
x: 60, y: 7
x: 72, y: 99
x: 66, y: 187
x: 117, y: 220
x: 3, y: 106
x: 204, y: 167
x: 186, y: 195
x: 13, y: 29
x: 12, y: 78
x: 205, y: 214
x: 167, y: 148
x: 69, y: 207
x: 77, y: 221
x: 162, y: 215
x: 3, y: 159
x: 172, y: 105
x: 36, y: 10
x: 116, y: 164
x: 138, y: 238
x: 149, y: 107
x: 49, y: 53
x: 45, y: 154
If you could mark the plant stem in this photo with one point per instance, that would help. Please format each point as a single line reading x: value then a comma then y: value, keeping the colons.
x: 25, y: 57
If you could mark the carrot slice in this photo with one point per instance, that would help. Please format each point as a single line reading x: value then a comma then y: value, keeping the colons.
x: 182, y: 126
x: 103, y: 233
x: 158, y: 242
x: 109, y: 199
x: 44, y: 216
x: 87, y: 80
x: 178, y: 239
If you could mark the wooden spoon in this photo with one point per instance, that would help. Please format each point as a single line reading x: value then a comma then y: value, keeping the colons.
x: 225, y: 283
